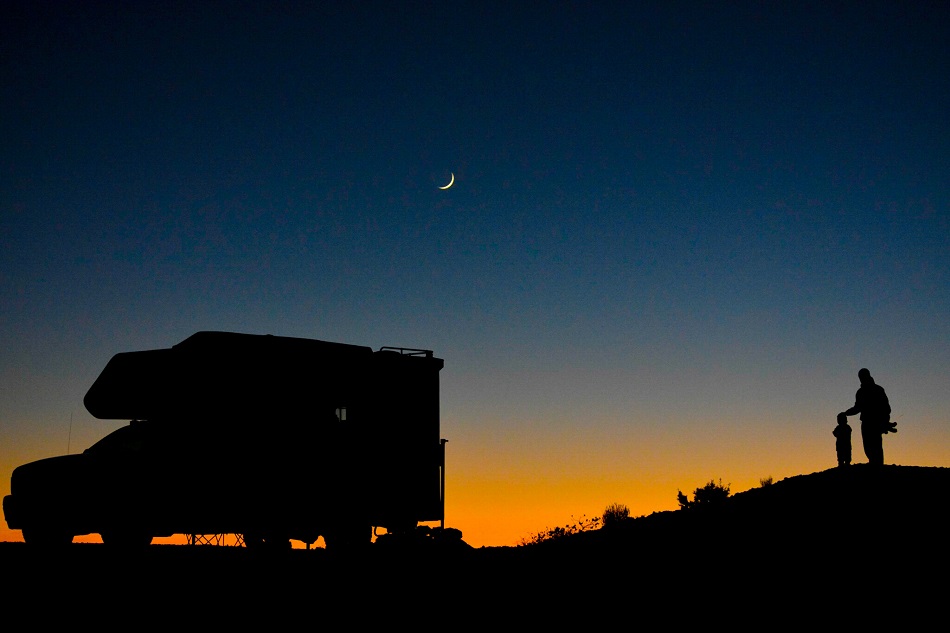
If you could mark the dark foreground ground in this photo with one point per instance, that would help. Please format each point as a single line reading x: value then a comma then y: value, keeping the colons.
x: 850, y: 546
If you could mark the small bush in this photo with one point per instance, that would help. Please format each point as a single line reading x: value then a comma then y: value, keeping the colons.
x: 615, y: 514
x: 709, y: 495
x: 765, y: 481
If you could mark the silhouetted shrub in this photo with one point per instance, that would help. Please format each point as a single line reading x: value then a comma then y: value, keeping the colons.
x: 765, y: 481
x: 709, y: 495
x: 615, y: 514
x: 583, y: 524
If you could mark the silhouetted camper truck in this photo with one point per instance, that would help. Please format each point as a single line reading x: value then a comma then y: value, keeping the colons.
x: 270, y: 438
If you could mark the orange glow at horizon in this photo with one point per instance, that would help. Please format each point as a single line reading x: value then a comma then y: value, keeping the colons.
x: 527, y: 485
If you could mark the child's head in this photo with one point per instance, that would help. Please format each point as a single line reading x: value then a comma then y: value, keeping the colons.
x: 842, y: 419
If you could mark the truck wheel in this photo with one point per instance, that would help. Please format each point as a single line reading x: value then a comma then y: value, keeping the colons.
x: 349, y: 538
x: 126, y: 538
x: 46, y: 537
x: 253, y: 541
x: 271, y: 543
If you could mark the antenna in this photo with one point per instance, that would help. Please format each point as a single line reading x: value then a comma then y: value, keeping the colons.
x: 69, y: 436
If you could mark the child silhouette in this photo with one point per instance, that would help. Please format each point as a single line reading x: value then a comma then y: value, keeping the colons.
x: 842, y: 434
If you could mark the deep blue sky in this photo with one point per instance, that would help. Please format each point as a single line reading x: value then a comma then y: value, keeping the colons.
x: 667, y: 217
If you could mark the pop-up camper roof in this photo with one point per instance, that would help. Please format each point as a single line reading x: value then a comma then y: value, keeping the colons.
x: 216, y: 370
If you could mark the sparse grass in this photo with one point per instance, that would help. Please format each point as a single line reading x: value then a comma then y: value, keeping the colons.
x: 583, y: 524
x: 617, y: 513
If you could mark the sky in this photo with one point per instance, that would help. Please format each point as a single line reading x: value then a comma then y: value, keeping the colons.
x: 676, y: 229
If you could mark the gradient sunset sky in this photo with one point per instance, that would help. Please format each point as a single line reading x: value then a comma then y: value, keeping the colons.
x: 676, y: 232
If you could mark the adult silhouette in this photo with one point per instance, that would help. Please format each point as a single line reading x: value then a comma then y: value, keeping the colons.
x: 871, y: 402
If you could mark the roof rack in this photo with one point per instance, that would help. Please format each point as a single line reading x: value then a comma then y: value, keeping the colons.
x: 408, y: 351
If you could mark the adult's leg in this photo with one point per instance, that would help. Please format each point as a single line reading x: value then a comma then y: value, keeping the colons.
x: 873, y: 443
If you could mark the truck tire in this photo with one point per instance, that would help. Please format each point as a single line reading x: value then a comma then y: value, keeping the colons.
x: 125, y: 538
x: 46, y: 536
x: 349, y: 539
x: 265, y: 542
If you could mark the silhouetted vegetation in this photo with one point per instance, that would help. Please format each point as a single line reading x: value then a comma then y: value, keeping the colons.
x: 615, y: 514
x: 709, y: 495
x: 583, y: 524
x: 765, y: 481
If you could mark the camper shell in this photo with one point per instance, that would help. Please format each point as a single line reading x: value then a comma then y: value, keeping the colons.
x: 267, y: 437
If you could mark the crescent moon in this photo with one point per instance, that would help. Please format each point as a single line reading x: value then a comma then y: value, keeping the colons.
x: 451, y: 181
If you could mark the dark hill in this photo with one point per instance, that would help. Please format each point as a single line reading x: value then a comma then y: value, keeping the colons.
x: 859, y: 503
x: 838, y: 536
